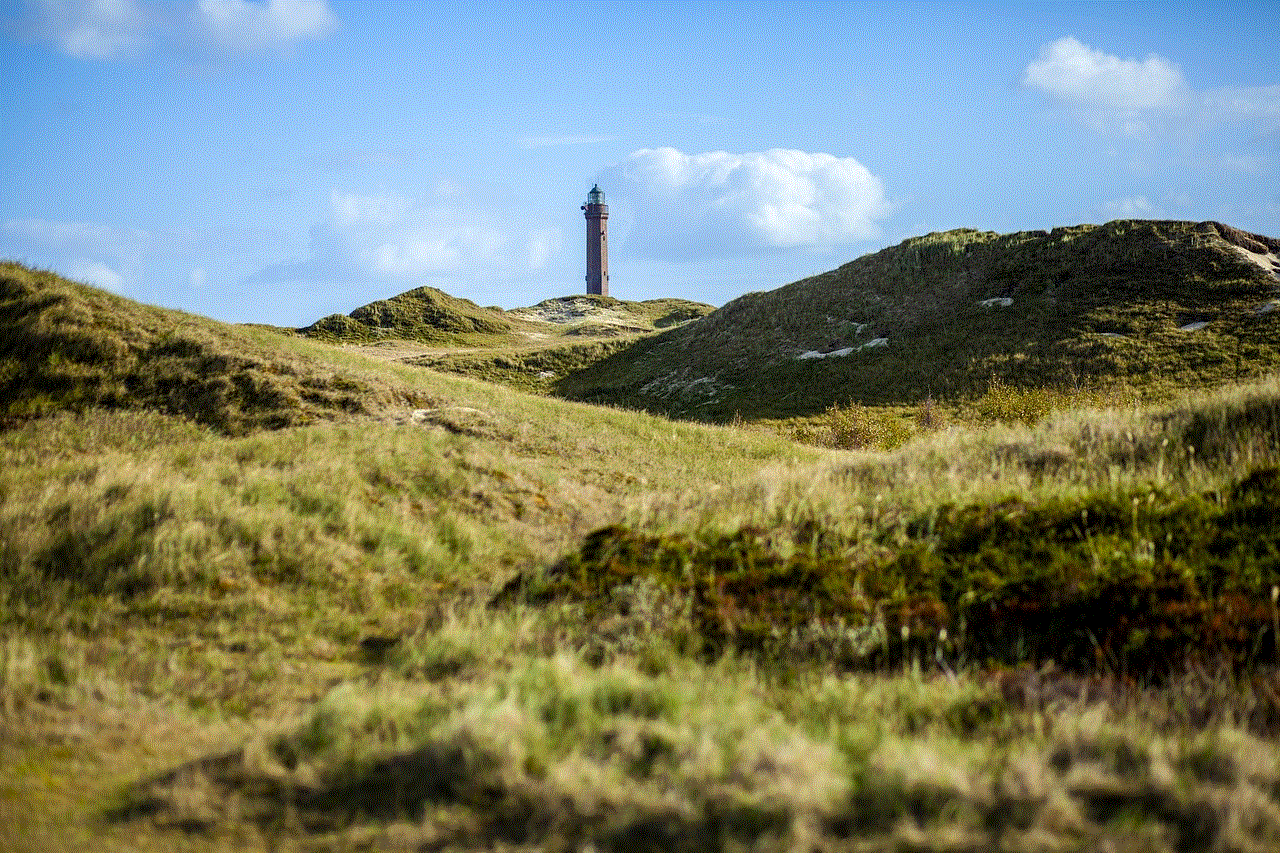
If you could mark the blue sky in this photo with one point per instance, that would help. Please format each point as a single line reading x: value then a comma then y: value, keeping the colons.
x: 280, y: 161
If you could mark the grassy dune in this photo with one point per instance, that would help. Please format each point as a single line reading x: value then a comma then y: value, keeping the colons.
x: 1157, y: 306
x: 447, y: 615
x: 68, y: 347
x: 430, y: 316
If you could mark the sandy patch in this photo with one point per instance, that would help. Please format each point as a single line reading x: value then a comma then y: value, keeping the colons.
x: 678, y: 384
x: 813, y: 353
x: 996, y: 302
x: 874, y: 343
x: 1268, y: 261
x: 570, y: 311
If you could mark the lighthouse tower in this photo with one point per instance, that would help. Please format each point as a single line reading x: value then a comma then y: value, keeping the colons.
x: 597, y: 213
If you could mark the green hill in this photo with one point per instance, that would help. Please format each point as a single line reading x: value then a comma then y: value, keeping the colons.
x: 525, y: 348
x: 430, y: 316
x: 1152, y: 305
x: 424, y: 314
x: 592, y: 314
x: 66, y: 346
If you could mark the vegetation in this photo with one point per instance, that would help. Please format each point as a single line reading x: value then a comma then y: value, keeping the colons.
x: 424, y: 314
x: 1139, y: 583
x: 528, y: 368
x: 447, y: 615
x: 430, y: 316
x: 68, y: 347
x: 1156, y: 306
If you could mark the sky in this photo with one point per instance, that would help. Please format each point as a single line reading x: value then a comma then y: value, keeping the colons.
x: 284, y: 160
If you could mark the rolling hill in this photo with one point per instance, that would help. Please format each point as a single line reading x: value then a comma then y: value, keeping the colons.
x: 525, y: 348
x: 430, y: 316
x: 260, y: 592
x: 1153, y: 305
x: 66, y: 346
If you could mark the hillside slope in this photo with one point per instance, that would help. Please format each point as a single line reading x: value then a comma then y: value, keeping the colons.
x: 1153, y: 304
x: 67, y: 346
x: 423, y: 314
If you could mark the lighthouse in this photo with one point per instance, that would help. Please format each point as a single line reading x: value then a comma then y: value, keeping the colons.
x: 597, y: 213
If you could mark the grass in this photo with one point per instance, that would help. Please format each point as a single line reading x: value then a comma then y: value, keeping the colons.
x: 1140, y: 584
x: 424, y: 314
x: 528, y: 368
x: 66, y: 346
x: 453, y: 616
x: 555, y: 754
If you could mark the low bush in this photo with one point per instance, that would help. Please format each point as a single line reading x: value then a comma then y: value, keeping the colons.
x: 855, y: 427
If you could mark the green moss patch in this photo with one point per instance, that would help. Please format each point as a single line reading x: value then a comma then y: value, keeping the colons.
x: 1138, y: 583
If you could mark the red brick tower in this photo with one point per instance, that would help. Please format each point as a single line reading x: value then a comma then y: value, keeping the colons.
x: 597, y: 242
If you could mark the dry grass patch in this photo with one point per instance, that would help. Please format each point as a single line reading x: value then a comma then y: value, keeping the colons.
x: 555, y: 755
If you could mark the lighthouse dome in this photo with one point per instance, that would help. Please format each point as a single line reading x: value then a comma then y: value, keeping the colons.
x: 596, y: 196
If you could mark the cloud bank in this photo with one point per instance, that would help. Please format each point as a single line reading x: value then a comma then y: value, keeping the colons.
x: 698, y: 205
x: 395, y: 238
x: 96, y: 254
x: 1130, y: 94
x: 108, y: 29
x: 96, y: 273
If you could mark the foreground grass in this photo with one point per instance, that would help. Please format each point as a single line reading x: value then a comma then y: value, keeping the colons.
x: 302, y: 614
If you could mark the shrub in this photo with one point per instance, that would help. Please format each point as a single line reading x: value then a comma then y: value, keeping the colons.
x: 929, y: 415
x: 855, y: 427
x: 1009, y: 404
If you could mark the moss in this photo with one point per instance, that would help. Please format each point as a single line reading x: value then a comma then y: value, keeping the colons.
x: 1138, y: 583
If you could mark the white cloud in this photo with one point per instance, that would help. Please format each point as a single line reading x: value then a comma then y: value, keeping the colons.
x: 90, y: 29
x: 542, y: 245
x: 94, y: 272
x: 1244, y: 164
x: 1133, y: 207
x: 1136, y: 97
x: 105, y: 29
x: 87, y: 238
x: 1243, y: 103
x: 687, y: 205
x: 442, y: 246
x: 351, y: 209
x: 245, y: 26
x: 1082, y: 75
x: 396, y: 238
